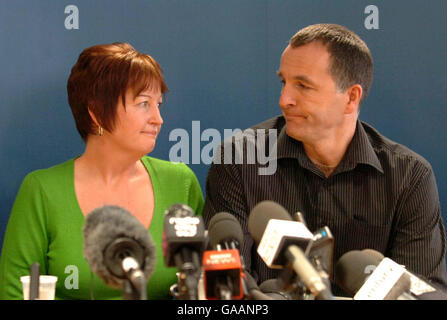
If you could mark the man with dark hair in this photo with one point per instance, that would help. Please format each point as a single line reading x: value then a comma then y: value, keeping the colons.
x: 339, y: 171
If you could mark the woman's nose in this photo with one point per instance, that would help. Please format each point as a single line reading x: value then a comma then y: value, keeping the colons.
x: 155, y: 117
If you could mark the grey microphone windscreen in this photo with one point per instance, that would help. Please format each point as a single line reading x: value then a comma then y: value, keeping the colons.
x: 353, y: 268
x: 260, y: 216
x: 224, y: 227
x: 374, y: 253
x: 105, y: 225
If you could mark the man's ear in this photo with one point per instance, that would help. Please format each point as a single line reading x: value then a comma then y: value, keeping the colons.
x: 353, y: 97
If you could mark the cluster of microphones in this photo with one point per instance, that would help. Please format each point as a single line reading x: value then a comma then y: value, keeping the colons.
x: 210, y: 266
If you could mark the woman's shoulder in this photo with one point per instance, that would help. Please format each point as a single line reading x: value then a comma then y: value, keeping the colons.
x: 52, y: 174
x: 167, y: 167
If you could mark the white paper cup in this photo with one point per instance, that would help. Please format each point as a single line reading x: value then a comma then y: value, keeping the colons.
x: 47, y: 287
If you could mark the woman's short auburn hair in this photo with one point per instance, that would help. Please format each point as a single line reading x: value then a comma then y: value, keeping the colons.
x: 103, y: 74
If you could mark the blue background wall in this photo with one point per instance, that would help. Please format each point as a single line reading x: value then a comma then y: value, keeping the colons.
x: 219, y: 58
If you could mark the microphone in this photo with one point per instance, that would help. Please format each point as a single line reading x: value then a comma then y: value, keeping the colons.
x: 281, y: 243
x: 223, y: 268
x: 368, y: 274
x: 298, y: 216
x: 320, y: 249
x: 224, y: 230
x: 183, y: 246
x: 119, y: 250
x: 34, y: 281
x: 254, y: 290
x: 388, y: 281
x: 272, y: 228
x: 222, y: 274
x: 273, y: 289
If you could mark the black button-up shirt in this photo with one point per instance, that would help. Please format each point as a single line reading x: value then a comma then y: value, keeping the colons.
x: 381, y: 196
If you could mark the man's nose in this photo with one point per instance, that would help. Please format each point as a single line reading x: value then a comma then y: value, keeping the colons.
x: 286, y: 99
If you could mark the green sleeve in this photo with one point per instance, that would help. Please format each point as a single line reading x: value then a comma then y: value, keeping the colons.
x: 26, y: 238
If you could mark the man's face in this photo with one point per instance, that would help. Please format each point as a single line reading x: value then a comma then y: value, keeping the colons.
x: 312, y: 105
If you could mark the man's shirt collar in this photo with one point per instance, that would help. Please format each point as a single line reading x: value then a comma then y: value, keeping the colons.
x: 360, y: 150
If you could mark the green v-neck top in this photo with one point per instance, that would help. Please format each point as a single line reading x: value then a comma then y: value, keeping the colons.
x: 46, y: 223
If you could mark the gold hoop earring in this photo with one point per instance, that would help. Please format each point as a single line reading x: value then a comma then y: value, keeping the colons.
x: 100, y: 131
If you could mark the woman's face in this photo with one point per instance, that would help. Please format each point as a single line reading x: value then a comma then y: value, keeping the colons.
x: 139, y: 121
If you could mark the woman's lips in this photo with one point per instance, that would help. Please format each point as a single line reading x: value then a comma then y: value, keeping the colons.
x: 150, y: 132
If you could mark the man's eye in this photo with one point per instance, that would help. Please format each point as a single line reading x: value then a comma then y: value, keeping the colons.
x: 303, y: 86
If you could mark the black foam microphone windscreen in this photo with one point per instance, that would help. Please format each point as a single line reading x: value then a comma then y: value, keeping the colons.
x: 224, y: 227
x: 111, y: 233
x: 272, y: 288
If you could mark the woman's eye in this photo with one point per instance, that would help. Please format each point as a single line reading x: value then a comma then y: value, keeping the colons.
x: 147, y: 104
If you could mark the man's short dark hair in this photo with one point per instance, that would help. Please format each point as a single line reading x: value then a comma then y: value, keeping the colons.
x: 351, y: 61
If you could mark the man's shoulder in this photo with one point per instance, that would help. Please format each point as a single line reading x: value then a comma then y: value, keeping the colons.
x: 392, y: 150
x: 273, y: 124
x: 277, y: 122
x: 255, y: 145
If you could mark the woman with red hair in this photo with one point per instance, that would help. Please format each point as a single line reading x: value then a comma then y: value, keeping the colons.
x: 115, y: 94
